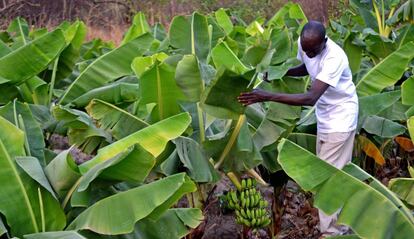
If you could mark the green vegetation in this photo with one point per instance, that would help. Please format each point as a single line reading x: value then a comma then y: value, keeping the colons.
x: 159, y: 118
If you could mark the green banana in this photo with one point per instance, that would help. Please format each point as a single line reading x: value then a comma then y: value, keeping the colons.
x: 266, y: 222
x: 247, y: 202
x: 243, y: 213
x: 243, y: 184
x: 231, y: 204
x: 249, y: 183
x: 249, y: 213
x: 254, y: 222
x: 234, y: 197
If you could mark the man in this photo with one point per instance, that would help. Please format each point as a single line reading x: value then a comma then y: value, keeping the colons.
x: 334, y: 94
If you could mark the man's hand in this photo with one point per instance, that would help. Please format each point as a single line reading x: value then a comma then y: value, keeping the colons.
x: 257, y: 95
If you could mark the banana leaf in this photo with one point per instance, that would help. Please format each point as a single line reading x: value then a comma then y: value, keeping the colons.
x: 382, y: 127
x: 33, y: 131
x: 157, y: 85
x: 134, y: 165
x: 410, y: 126
x: 117, y: 214
x: 387, y: 72
x: 26, y: 216
x: 220, y: 97
x: 55, y: 235
x: 108, y: 67
x: 188, y: 78
x: 403, y: 188
x: 61, y: 172
x: 174, y: 224
x: 4, y: 49
x: 194, y: 159
x: 116, y: 93
x: 335, y: 189
x: 33, y: 168
x: 223, y: 56
x: 353, y: 52
x: 142, y: 63
x: 32, y: 58
x: 407, y: 91
x: 19, y: 32
x: 223, y: 20
x: 374, y: 104
x: 153, y: 138
x: 190, y: 35
x: 139, y: 27
x: 280, y: 41
x: 75, y: 34
x: 82, y: 131
x: 120, y: 122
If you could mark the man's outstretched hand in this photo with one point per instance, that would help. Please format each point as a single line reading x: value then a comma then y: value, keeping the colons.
x: 257, y: 95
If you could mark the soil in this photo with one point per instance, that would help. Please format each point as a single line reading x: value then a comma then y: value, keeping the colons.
x: 298, y: 219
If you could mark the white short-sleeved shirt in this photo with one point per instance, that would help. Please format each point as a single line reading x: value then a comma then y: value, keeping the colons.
x: 337, y: 108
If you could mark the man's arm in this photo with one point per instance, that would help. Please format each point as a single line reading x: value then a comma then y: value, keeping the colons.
x: 298, y: 71
x: 308, y: 98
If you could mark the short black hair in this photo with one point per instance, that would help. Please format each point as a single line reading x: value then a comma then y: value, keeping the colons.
x: 313, y: 29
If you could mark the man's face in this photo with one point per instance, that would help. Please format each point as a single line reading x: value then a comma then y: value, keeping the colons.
x: 313, y: 47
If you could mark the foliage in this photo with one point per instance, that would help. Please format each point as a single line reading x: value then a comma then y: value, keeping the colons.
x: 158, y: 116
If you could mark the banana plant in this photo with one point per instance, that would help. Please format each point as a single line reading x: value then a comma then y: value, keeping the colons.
x: 317, y: 176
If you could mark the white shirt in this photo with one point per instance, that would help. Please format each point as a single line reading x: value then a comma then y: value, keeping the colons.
x: 337, y: 108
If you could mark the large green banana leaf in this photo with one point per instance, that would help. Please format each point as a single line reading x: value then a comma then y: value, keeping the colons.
x: 407, y: 91
x: 188, y: 78
x: 25, y: 216
x: 174, y: 224
x: 139, y: 27
x: 153, y: 138
x: 353, y: 52
x: 33, y: 168
x: 404, y: 188
x: 223, y: 56
x: 220, y: 97
x: 61, y: 172
x: 29, y: 60
x: 194, y: 159
x: 55, y: 235
x: 82, y: 131
x: 335, y: 189
x: 236, y: 152
x: 387, y: 72
x: 134, y: 165
x: 108, y: 67
x: 374, y: 104
x: 280, y: 41
x: 120, y: 122
x: 224, y: 21
x: 157, y: 85
x: 190, y: 35
x: 33, y: 131
x: 116, y: 93
x: 382, y: 127
x: 117, y: 214
x: 75, y: 34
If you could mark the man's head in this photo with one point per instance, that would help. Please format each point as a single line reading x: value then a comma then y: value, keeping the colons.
x: 312, y: 38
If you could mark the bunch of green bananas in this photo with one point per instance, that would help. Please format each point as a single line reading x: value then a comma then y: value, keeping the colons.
x: 249, y: 205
